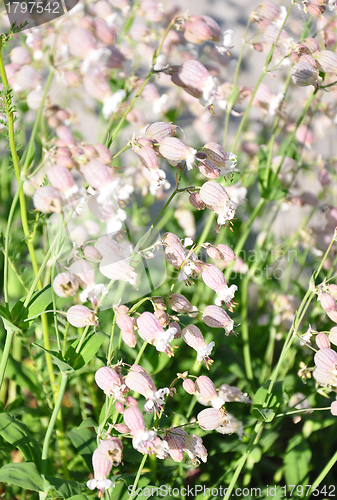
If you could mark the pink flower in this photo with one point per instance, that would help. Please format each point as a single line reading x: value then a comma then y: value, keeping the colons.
x: 108, y: 453
x: 146, y: 442
x: 142, y: 383
x: 81, y: 316
x: 110, y: 382
x: 194, y: 338
x: 207, y: 394
x: 215, y: 279
x: 151, y: 330
x: 212, y: 418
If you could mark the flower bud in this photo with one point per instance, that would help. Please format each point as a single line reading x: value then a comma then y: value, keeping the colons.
x: 326, y: 359
x: 47, y: 200
x: 211, y: 418
x: 196, y: 201
x: 103, y: 153
x: 213, y: 277
x: 328, y: 303
x: 315, y: 10
x: 81, y: 316
x: 97, y: 174
x: 179, y: 303
x: 333, y: 408
x: 160, y: 130
x: 195, y: 339
x: 80, y: 42
x: 148, y: 157
x: 27, y: 78
x: 327, y: 61
x: 64, y: 134
x: 227, y: 254
x: 119, y: 407
x: 103, y: 32
x: 192, y: 73
x: 174, y: 150
x: 197, y: 31
x: 189, y: 386
x: 134, y: 419
x: 322, y: 341
x: 215, y: 317
x: 130, y: 401
x: 60, y: 178
x: 148, y: 326
x: 208, y: 169
x: 304, y: 74
x: 213, y: 194
x: 20, y: 55
x: 213, y: 252
x: 107, y: 379
x: 65, y: 285
x: 269, y: 10
x: 333, y: 335
x: 122, y: 428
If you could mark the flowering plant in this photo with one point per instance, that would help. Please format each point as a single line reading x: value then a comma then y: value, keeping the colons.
x: 165, y: 230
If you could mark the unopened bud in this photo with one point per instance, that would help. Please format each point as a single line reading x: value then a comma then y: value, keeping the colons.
x: 81, y: 316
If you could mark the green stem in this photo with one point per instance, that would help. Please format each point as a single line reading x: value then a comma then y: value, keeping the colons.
x: 63, y: 384
x: 28, y: 151
x: 325, y: 471
x: 262, y: 75
x: 234, y: 90
x: 140, y: 468
x: 245, y: 234
x: 142, y: 349
x: 245, y: 330
x: 5, y: 354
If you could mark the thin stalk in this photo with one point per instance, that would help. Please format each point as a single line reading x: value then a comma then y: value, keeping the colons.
x: 246, y: 232
x: 141, y: 351
x: 262, y: 75
x: 140, y: 468
x: 5, y: 354
x: 29, y: 149
x: 325, y: 471
x: 235, y: 81
x: 63, y: 384
x: 245, y: 330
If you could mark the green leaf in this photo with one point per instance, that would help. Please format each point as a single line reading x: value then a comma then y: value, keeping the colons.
x: 260, y: 396
x: 88, y: 350
x: 297, y: 460
x: 266, y: 414
x: 57, y: 359
x: 16, y: 433
x: 78, y: 497
x: 88, y: 422
x: 66, y: 489
x: 21, y: 375
x: 85, y: 443
x: 40, y: 301
x: 24, y: 475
